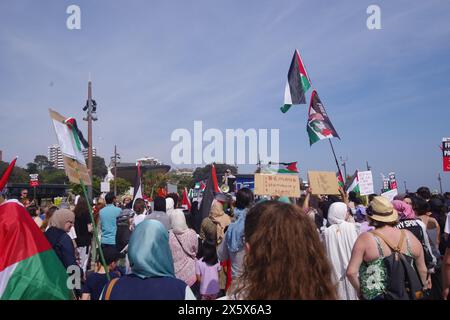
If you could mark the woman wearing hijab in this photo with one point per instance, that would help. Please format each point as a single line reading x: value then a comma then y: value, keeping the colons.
x: 153, y: 275
x: 339, y: 239
x: 233, y: 246
x: 60, y: 223
x: 183, y: 243
x: 170, y: 206
x: 213, y: 227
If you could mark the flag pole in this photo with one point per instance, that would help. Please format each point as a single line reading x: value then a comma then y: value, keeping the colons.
x: 97, y: 241
x: 335, y: 159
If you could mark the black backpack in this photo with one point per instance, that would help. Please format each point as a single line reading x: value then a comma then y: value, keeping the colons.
x: 403, y: 281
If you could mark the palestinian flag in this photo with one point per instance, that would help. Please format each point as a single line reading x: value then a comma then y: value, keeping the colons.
x: 6, y: 174
x: 212, y: 188
x: 290, y: 167
x: 340, y: 179
x: 29, y: 268
x: 185, y: 200
x: 78, y: 135
x: 297, y: 83
x: 319, y: 126
x: 354, y: 184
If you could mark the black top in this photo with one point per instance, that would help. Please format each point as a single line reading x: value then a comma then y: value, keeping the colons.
x: 84, y: 237
x: 95, y: 282
x: 63, y: 246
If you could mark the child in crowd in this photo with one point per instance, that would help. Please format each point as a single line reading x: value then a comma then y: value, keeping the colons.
x: 207, y: 271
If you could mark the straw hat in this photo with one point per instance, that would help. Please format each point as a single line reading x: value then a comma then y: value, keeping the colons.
x: 381, y: 209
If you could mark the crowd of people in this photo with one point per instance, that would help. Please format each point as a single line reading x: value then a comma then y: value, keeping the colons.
x: 343, y: 247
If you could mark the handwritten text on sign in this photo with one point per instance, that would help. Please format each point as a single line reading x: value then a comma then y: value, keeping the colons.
x: 277, y: 185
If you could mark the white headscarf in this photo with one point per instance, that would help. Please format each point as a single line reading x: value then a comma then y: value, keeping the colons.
x: 337, y: 213
x: 339, y: 239
x: 178, y: 222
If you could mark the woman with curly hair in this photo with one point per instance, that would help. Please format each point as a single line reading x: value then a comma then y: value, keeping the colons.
x: 285, y: 258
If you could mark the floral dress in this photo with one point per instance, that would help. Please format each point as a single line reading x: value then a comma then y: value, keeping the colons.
x: 373, y: 276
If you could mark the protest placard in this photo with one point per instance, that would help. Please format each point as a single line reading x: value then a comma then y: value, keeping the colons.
x: 323, y: 182
x: 365, y: 182
x: 390, y: 194
x: 277, y: 185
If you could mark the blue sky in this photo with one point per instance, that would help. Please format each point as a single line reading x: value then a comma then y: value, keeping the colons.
x: 159, y: 65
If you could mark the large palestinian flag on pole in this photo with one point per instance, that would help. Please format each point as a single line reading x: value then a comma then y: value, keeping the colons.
x: 319, y: 126
x: 297, y: 84
x: 29, y: 268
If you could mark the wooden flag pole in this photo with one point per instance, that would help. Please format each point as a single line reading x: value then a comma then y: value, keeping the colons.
x: 335, y: 159
x: 97, y: 241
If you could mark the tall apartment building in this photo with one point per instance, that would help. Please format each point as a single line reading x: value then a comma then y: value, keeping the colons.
x: 55, y: 155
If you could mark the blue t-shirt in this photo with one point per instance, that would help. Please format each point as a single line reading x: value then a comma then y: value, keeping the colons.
x: 131, y: 287
x: 95, y: 282
x: 108, y: 217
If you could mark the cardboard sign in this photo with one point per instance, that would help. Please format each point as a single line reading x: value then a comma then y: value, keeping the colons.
x: 323, y: 182
x: 365, y: 182
x: 104, y: 187
x: 390, y: 194
x: 282, y: 185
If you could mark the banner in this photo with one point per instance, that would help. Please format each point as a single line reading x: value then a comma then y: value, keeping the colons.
x: 365, y: 182
x: 282, y: 185
x: 74, y: 162
x: 446, y: 153
x: 323, y: 182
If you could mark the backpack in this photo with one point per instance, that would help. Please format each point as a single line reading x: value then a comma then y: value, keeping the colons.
x: 403, y: 281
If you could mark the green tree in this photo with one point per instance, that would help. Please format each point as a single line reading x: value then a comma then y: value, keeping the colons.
x: 122, y: 185
x: 78, y: 190
x: 153, y: 181
x: 32, y: 168
x: 53, y: 175
x: 42, y: 162
x: 99, y: 168
x: 18, y: 175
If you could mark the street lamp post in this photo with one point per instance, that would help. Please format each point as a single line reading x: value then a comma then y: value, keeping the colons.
x: 344, y: 164
x: 90, y: 109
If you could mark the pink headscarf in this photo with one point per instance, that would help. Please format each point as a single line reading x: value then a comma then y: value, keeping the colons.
x: 404, y: 210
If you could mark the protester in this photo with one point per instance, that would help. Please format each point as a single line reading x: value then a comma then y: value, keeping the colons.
x: 83, y: 229
x: 159, y: 213
x: 153, y: 275
x: 108, y: 216
x: 408, y: 220
x: 207, y: 272
x: 233, y: 246
x: 285, y: 258
x: 24, y: 198
x: 438, y: 217
x: 446, y: 273
x: 60, y: 223
x: 339, y: 239
x: 213, y: 227
x: 424, y: 193
x: 34, y: 212
x: 372, y: 252
x: 183, y: 244
x: 127, y: 202
x: 124, y: 224
x: 48, y: 214
x: 96, y: 281
x: 170, y: 205
x: 139, y: 210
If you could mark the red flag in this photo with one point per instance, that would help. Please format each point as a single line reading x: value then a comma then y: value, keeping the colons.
x: 185, y: 201
x: 8, y: 171
x: 214, y: 178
